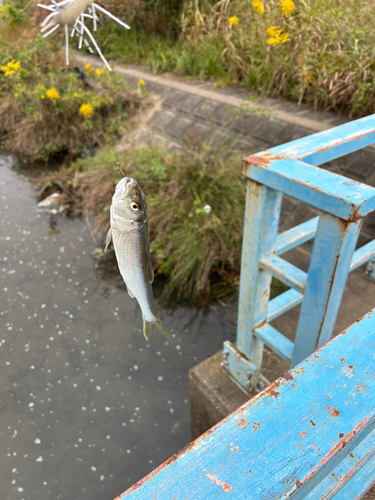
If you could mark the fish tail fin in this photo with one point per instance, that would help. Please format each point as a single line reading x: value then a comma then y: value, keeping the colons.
x: 159, y: 325
x: 147, y: 328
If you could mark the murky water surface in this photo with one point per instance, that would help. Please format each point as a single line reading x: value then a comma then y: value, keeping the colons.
x: 88, y: 407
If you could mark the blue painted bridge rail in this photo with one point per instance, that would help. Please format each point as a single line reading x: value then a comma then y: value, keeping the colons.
x: 309, y: 435
x: 293, y: 169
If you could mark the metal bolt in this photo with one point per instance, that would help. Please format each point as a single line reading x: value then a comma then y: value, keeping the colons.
x: 225, y: 362
x: 259, y: 385
x: 248, y: 383
x: 249, y: 373
x: 225, y: 352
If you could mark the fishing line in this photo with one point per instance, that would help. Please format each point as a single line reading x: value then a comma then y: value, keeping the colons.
x: 117, y: 163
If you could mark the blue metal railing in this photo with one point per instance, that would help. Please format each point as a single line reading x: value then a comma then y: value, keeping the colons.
x: 309, y: 435
x: 292, y: 169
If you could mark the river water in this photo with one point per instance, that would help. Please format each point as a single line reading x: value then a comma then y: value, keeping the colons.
x: 88, y: 406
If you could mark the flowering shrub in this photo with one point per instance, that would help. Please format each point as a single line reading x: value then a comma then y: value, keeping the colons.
x: 46, y: 109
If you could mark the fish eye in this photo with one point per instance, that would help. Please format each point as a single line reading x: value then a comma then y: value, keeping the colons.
x: 134, y: 206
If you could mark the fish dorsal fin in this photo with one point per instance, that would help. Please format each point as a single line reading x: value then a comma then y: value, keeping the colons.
x: 130, y: 293
x: 108, y: 239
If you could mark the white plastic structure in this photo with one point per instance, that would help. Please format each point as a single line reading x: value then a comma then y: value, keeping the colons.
x: 74, y: 12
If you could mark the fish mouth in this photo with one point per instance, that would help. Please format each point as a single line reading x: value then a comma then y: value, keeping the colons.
x: 127, y: 186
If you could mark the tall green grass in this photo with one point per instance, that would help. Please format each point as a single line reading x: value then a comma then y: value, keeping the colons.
x: 327, y: 62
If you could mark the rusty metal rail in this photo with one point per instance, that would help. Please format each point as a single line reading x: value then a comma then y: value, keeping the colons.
x: 309, y: 435
x: 292, y: 169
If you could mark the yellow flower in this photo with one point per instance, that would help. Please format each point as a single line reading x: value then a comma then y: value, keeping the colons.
x: 86, y: 110
x: 89, y: 69
x: 287, y: 6
x: 141, y: 83
x: 53, y: 94
x: 75, y: 94
x: 233, y: 20
x: 14, y: 65
x: 100, y: 72
x: 277, y: 36
x: 258, y: 6
x: 15, y: 95
x: 11, y: 68
x: 309, y: 77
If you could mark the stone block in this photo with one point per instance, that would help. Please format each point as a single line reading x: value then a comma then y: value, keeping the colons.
x: 188, y: 103
x: 178, y: 126
x: 360, y: 166
x: 160, y: 119
x: 272, y: 132
x: 206, y: 109
x: 199, y: 131
x: 173, y: 98
x: 212, y: 395
x: 247, y: 124
x: 298, y: 132
x: 223, y: 113
x: 159, y: 90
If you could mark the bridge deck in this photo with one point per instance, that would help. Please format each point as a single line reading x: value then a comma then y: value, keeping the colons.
x: 307, y: 435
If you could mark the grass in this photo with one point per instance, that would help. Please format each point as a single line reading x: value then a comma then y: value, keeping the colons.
x: 327, y: 60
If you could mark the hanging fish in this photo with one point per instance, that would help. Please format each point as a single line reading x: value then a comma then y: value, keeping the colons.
x: 129, y: 232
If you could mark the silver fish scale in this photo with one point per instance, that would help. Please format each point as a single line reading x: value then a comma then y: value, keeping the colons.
x: 133, y: 264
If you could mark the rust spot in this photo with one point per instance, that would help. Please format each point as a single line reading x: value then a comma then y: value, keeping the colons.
x: 343, y: 359
x: 256, y: 426
x: 261, y: 160
x: 242, y: 422
x: 225, y: 486
x: 315, y: 447
x: 288, y: 376
x: 299, y: 484
x: 332, y: 411
x: 339, y: 446
x: 351, y: 367
x: 302, y: 434
x: 341, y: 435
x: 351, y: 455
x: 312, y: 423
x: 275, y: 394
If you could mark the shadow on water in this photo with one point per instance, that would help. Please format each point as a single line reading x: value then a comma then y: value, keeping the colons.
x: 88, y: 406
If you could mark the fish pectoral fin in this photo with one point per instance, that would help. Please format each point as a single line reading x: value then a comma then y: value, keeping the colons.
x: 147, y: 328
x: 159, y: 325
x: 130, y: 292
x: 150, y: 272
x: 108, y: 239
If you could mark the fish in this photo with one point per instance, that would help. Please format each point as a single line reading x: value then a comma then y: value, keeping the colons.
x: 129, y: 233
